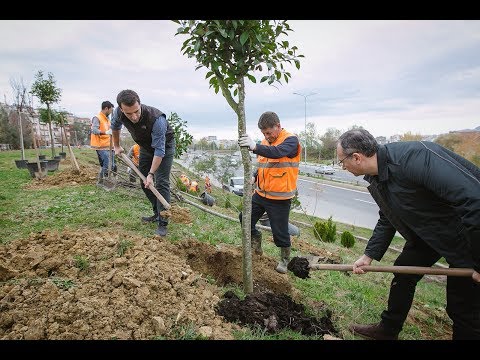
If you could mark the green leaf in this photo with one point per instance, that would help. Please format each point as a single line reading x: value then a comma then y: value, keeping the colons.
x: 264, y: 78
x: 244, y: 38
x: 252, y: 78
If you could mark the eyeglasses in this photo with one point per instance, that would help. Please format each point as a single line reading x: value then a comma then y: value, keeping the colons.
x: 345, y: 158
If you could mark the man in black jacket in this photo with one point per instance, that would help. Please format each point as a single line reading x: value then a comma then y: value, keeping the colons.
x: 149, y: 129
x: 431, y: 196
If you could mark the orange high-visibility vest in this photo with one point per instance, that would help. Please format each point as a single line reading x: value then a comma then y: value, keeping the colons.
x: 101, y: 142
x: 194, y: 186
x: 277, y: 178
x: 185, y: 180
x: 136, y: 154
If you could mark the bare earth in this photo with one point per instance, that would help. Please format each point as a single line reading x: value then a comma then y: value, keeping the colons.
x: 86, y: 284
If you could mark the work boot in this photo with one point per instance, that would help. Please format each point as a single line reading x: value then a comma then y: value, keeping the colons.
x: 373, y: 332
x: 161, y: 230
x: 148, y: 219
x: 257, y: 243
x: 284, y: 259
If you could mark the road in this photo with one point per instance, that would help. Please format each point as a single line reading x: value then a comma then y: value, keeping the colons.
x: 345, y: 205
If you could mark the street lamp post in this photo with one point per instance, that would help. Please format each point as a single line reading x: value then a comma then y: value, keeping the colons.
x: 305, y: 98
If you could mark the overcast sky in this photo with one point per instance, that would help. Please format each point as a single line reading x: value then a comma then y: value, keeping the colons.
x: 390, y: 77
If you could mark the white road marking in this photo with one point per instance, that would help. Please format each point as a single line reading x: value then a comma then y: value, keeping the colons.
x: 333, y: 186
x: 368, y: 202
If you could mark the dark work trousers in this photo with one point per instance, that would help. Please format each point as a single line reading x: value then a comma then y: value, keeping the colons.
x: 162, y: 179
x: 278, y: 212
x: 463, y: 294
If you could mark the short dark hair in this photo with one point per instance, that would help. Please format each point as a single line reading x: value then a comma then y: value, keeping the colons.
x: 268, y: 120
x: 107, y: 104
x: 358, y: 140
x: 127, y: 97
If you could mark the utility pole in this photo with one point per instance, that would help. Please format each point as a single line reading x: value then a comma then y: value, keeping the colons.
x: 305, y: 145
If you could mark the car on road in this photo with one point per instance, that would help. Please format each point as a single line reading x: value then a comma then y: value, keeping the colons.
x: 325, y: 169
x: 235, y: 185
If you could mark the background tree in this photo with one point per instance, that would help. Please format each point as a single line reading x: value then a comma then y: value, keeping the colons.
x: 466, y: 144
x: 233, y: 50
x: 21, y: 101
x: 60, y: 117
x: 408, y: 136
x: 449, y: 141
x: 82, y: 132
x: 226, y: 169
x: 201, y: 144
x: 310, y: 138
x: 329, y: 143
x: 8, y: 133
x: 47, y: 92
x: 205, y: 166
x: 182, y: 138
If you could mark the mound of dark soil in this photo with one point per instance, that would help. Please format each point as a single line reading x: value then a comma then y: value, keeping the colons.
x: 273, y: 312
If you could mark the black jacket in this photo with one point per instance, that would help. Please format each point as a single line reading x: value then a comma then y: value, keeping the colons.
x: 427, y: 192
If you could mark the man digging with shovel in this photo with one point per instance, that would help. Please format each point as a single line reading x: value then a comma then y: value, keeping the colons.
x: 431, y: 196
x: 149, y: 129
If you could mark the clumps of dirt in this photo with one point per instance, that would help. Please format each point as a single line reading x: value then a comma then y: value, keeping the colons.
x: 88, y: 284
x: 65, y: 177
x: 178, y: 214
x: 273, y: 312
x: 299, y: 267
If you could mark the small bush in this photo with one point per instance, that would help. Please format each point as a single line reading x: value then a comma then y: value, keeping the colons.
x: 228, y: 203
x: 347, y: 239
x: 325, y: 230
x: 181, y: 186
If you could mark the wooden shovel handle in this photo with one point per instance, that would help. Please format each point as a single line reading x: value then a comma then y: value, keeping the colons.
x: 397, y: 269
x: 151, y: 187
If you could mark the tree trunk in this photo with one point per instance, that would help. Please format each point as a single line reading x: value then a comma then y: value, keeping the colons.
x: 50, y: 130
x: 247, y: 194
x: 22, y: 145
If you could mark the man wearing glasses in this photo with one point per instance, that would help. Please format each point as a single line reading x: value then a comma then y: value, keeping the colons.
x: 431, y: 196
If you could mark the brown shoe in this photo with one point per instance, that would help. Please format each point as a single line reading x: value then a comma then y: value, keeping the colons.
x: 372, y: 332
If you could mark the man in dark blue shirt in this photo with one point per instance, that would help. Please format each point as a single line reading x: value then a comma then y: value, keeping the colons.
x: 150, y: 129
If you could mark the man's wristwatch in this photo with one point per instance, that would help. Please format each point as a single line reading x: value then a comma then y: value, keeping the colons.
x: 150, y: 173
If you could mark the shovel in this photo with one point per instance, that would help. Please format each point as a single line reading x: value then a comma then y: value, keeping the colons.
x: 300, y: 266
x: 132, y: 166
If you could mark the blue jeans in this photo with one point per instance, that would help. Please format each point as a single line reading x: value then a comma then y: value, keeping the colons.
x: 104, y: 161
x: 162, y: 179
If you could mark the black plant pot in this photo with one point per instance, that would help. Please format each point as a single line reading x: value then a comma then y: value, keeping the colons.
x: 42, y: 157
x: 57, y: 157
x: 33, y: 167
x: 21, y: 164
x: 52, y: 164
x: 63, y: 155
